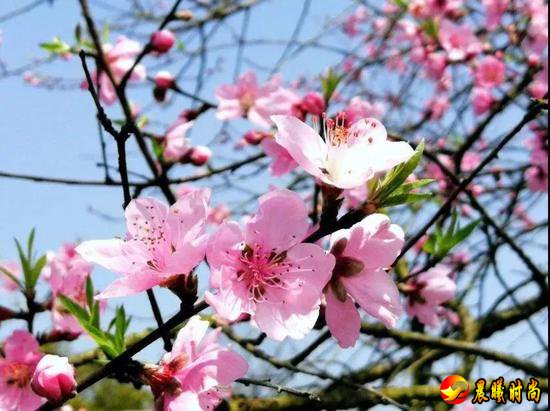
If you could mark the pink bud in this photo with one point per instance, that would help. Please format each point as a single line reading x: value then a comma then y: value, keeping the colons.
x: 255, y: 137
x: 313, y: 103
x: 200, y: 155
x: 162, y: 41
x: 163, y: 79
x: 54, y: 378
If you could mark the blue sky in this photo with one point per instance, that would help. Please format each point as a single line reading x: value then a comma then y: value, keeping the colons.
x: 54, y: 133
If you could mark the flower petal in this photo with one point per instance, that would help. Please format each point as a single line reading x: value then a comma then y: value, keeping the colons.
x: 376, y: 292
x: 342, y: 319
x: 130, y: 284
x: 303, y: 143
x: 280, y: 222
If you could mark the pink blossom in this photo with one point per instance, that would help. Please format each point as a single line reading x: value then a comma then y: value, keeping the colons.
x: 264, y: 270
x: 362, y: 254
x: 358, y: 109
x: 164, y: 79
x: 539, y: 87
x: 428, y: 291
x: 54, y: 378
x: 438, y: 106
x: 21, y: 355
x: 490, y: 72
x: 435, y: 65
x: 482, y: 100
x: 494, y: 10
x: 162, y: 41
x: 356, y: 196
x: 176, y: 143
x: 197, y: 373
x: 200, y: 155
x: 351, y: 25
x: 538, y: 26
x: 66, y: 274
x: 218, y: 214
x: 459, y: 41
x: 31, y: 79
x: 120, y: 58
x: 282, y: 162
x: 537, y: 179
x: 246, y: 98
x: 161, y: 242
x: 470, y: 161
x: 434, y: 8
x: 255, y: 137
x: 6, y: 282
x: 348, y: 157
x: 313, y: 103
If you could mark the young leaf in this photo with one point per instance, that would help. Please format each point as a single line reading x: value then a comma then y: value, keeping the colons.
x: 36, y: 270
x: 94, y: 314
x: 11, y: 277
x: 25, y: 264
x: 75, y: 309
x: 397, y: 176
x: 329, y: 83
x: 408, y: 198
x: 89, y: 292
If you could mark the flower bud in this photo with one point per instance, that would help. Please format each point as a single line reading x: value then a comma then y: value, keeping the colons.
x: 200, y: 155
x: 183, y: 285
x: 313, y: 103
x: 162, y: 41
x: 184, y: 15
x: 255, y: 137
x: 163, y: 79
x: 54, y: 378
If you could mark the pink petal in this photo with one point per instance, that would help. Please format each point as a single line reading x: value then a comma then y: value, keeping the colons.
x: 302, y: 142
x: 374, y: 241
x: 189, y: 337
x: 111, y: 254
x: 145, y: 214
x: 342, y: 319
x: 130, y: 284
x: 376, y: 292
x: 187, y: 400
x: 279, y: 322
x: 227, y: 304
x: 311, y: 270
x: 21, y: 346
x: 222, y: 250
x: 259, y: 116
x: 265, y: 227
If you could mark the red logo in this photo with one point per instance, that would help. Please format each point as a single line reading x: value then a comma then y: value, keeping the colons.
x: 454, y: 389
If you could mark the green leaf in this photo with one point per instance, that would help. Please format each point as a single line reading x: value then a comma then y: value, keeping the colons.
x: 94, y: 314
x: 56, y: 46
x: 329, y: 83
x: 78, y: 33
x: 105, y: 33
x: 158, y: 150
x: 431, y: 28
x: 403, y: 4
x: 75, y: 309
x: 91, y: 325
x: 399, y: 199
x: 397, y: 176
x: 89, y: 292
x: 142, y: 121
x: 30, y: 244
x: 11, y: 277
x: 120, y: 328
x: 415, y: 185
x: 25, y: 265
x: 36, y: 270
